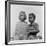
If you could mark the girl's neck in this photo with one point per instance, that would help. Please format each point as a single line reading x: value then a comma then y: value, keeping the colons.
x: 31, y: 24
x: 22, y: 21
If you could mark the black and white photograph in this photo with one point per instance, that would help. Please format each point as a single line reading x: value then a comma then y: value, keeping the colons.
x: 25, y: 22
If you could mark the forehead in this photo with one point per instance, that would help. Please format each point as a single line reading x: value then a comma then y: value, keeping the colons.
x: 22, y: 13
x: 30, y: 15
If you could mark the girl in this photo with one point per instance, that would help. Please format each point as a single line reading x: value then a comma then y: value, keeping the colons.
x: 21, y: 27
x: 33, y: 28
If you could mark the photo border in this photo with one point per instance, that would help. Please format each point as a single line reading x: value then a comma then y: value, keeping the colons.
x: 7, y: 18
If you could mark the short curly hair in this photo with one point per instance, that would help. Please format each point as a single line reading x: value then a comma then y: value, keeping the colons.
x: 24, y: 15
x: 32, y: 15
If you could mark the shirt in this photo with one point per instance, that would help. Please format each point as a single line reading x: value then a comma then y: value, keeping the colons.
x: 21, y: 28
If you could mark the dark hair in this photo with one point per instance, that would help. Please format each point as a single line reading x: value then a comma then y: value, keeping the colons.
x: 32, y: 15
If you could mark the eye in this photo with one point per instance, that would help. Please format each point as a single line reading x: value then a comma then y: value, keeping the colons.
x: 21, y: 15
x: 30, y: 17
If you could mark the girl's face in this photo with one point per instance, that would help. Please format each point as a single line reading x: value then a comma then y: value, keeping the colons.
x: 31, y: 19
x: 22, y: 16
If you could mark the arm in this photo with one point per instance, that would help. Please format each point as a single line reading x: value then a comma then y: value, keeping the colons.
x: 36, y: 27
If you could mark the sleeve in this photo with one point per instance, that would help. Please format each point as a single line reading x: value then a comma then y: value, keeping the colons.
x: 16, y: 37
x: 36, y: 26
x: 16, y: 29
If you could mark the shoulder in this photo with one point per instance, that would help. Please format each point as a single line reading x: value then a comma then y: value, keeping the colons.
x: 36, y: 24
x: 18, y: 24
x: 25, y: 22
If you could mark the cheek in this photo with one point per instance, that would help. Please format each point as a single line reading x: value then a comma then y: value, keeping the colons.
x: 22, y: 18
x: 32, y: 18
